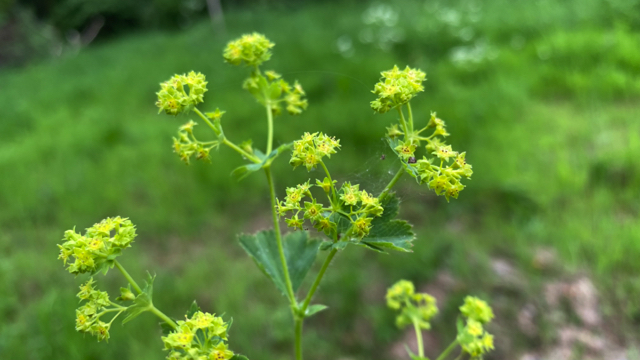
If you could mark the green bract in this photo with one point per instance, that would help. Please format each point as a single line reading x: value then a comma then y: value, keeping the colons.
x: 98, y: 247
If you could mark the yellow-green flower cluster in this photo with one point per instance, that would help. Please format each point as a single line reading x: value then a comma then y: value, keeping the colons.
x: 250, y: 49
x: 310, y: 150
x: 174, y: 99
x: 275, y: 90
x: 473, y: 338
x: 186, y: 145
x: 362, y: 208
x: 415, y: 308
x: 476, y: 309
x: 311, y: 210
x: 397, y: 87
x: 88, y: 315
x: 101, y: 243
x: 444, y: 169
x: 203, y: 336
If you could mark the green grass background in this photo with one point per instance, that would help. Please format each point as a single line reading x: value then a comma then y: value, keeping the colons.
x: 542, y: 95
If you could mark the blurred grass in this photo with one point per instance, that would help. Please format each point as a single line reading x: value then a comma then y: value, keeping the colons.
x: 542, y: 96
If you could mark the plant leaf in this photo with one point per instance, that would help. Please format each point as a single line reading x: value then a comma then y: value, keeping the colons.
x: 142, y: 302
x: 243, y: 171
x: 239, y: 357
x: 166, y: 328
x: 300, y: 253
x: 314, y: 309
x: 387, y: 233
x: 194, y: 308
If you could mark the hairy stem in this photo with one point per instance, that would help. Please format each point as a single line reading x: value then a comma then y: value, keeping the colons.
x: 162, y: 316
x: 300, y: 317
x: 316, y: 283
x: 128, y: 277
x: 403, y: 122
x: 416, y: 326
x: 393, y: 181
x: 448, y: 350
x: 333, y: 189
x: 298, y: 341
x: 270, y: 129
x: 410, y: 117
x: 276, y: 229
x: 240, y: 151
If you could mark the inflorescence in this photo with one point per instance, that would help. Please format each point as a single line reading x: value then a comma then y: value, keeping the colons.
x: 442, y: 168
x: 201, y: 336
x: 414, y: 307
x: 473, y: 338
x: 173, y: 99
x: 99, y: 246
x: 350, y: 203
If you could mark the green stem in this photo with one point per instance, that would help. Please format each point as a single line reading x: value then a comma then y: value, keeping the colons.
x: 225, y: 140
x: 206, y: 120
x: 448, y: 350
x: 137, y: 288
x: 393, y: 181
x: 270, y: 127
x: 410, y: 117
x: 108, y: 311
x: 276, y: 228
x: 416, y: 326
x: 333, y: 189
x: 316, y: 283
x: 299, y: 319
x: 162, y: 316
x: 403, y: 122
x: 128, y: 277
x: 240, y: 151
x: 298, y: 340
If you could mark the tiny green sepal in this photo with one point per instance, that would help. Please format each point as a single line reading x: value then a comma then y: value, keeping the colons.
x: 194, y: 308
x: 126, y: 294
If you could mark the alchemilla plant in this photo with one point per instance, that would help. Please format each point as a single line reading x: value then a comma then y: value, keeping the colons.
x: 342, y: 214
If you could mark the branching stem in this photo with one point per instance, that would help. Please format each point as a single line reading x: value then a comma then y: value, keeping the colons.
x: 276, y: 229
x: 316, y: 282
x: 420, y: 345
x: 448, y: 350
x: 393, y: 181
x: 227, y: 141
x: 137, y: 288
x: 128, y: 277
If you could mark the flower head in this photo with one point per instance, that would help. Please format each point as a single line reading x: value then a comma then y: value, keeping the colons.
x: 89, y: 252
x: 397, y: 87
x: 173, y: 98
x: 250, y: 50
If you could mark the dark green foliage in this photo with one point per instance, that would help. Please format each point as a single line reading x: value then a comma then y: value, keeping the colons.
x: 299, y: 250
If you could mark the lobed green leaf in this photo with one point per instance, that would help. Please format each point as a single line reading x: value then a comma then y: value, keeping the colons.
x: 300, y: 253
